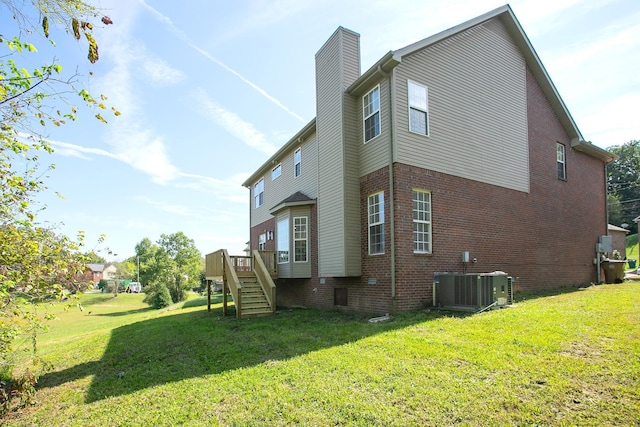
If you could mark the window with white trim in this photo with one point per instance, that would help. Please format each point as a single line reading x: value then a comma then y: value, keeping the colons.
x: 258, y: 193
x: 421, y: 222
x: 300, y: 239
x: 418, y: 108
x: 376, y: 223
x: 561, y: 159
x: 371, y: 114
x: 283, y: 241
x: 297, y: 162
x: 262, y: 242
x: 276, y: 172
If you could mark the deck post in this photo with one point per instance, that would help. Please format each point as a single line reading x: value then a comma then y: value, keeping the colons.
x: 208, y: 282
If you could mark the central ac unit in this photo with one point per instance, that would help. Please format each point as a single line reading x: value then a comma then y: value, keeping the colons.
x: 473, y: 292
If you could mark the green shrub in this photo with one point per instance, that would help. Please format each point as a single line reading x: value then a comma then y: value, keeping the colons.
x: 157, y: 296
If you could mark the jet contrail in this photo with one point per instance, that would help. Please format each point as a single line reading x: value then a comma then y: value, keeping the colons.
x: 186, y: 39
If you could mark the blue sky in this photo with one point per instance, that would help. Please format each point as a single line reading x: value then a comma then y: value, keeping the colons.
x: 208, y: 90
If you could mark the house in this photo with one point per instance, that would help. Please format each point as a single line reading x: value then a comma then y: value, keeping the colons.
x: 618, y: 239
x: 97, y: 272
x: 458, y: 143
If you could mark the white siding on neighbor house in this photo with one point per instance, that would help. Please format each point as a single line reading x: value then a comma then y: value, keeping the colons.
x: 337, y: 66
x: 477, y: 108
x: 276, y: 190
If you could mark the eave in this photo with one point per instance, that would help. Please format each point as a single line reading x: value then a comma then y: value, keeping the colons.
x: 593, y: 150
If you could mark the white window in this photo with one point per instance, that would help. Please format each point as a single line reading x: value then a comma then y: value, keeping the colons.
x: 300, y: 239
x: 418, y: 108
x: 258, y: 193
x: 371, y: 114
x: 562, y: 164
x: 421, y: 222
x: 376, y: 223
x: 262, y: 242
x: 276, y: 172
x: 283, y: 241
x: 297, y: 162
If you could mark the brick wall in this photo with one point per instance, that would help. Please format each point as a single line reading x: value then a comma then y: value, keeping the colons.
x: 545, y: 238
x: 263, y: 228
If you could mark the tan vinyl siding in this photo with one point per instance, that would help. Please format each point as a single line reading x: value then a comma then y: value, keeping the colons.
x: 286, y: 184
x: 352, y: 188
x: 337, y: 66
x: 375, y: 153
x: 477, y: 108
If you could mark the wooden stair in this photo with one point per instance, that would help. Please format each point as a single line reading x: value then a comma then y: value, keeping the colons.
x: 248, y: 278
x: 254, y: 301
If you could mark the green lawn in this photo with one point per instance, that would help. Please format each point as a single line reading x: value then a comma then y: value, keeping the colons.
x: 632, y: 247
x: 569, y: 358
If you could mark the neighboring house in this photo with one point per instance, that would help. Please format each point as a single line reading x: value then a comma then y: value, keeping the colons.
x: 458, y: 142
x: 97, y: 272
x: 619, y: 239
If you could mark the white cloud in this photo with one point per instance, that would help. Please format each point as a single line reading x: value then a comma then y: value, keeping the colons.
x: 233, y: 124
x: 73, y: 150
x: 229, y: 189
x: 615, y: 122
x: 207, y: 215
x: 159, y: 72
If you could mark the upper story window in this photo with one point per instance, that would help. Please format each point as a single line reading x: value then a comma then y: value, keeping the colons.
x: 276, y: 172
x: 562, y: 162
x: 371, y: 114
x: 258, y: 193
x: 376, y: 223
x: 418, y: 108
x: 297, y: 163
x: 421, y: 222
x: 300, y: 239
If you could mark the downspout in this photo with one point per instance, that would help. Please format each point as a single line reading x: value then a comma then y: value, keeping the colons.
x: 392, y: 219
x: 606, y: 218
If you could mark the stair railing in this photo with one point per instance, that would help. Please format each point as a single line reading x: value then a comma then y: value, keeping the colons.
x: 264, y: 279
x: 231, y: 280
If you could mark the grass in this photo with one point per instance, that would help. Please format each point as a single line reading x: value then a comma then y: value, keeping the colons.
x: 632, y: 247
x: 569, y: 358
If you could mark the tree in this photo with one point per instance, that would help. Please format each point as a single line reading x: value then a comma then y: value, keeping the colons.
x: 188, y: 263
x: 36, y: 264
x: 94, y: 258
x: 623, y: 184
x: 157, y: 296
x: 174, y: 262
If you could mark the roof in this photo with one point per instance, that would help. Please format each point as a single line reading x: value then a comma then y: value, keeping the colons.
x: 97, y: 268
x: 296, y: 199
x: 393, y: 58
x: 612, y: 227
